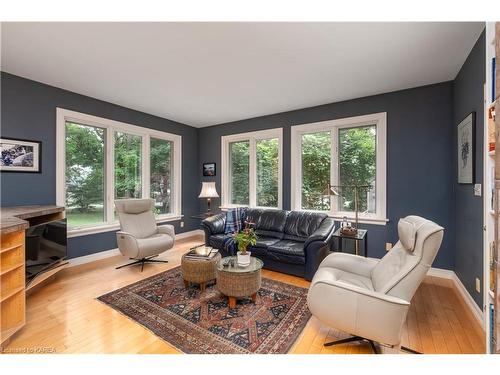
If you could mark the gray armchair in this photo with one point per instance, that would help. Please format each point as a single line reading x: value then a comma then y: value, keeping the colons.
x: 140, y: 238
x: 369, y: 298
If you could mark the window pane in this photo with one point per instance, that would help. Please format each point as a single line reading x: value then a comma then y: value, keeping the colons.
x: 239, y: 162
x: 128, y: 163
x: 316, y: 154
x: 84, y: 174
x: 357, y: 162
x: 161, y: 174
x: 267, y: 172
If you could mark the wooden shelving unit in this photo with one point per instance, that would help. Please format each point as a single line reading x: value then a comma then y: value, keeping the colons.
x: 12, y: 284
x: 495, y: 347
x: 492, y: 191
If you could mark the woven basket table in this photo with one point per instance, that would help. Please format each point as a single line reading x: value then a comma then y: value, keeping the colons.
x: 199, y: 271
x: 236, y: 282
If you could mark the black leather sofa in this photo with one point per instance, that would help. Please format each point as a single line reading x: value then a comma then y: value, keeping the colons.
x: 292, y: 242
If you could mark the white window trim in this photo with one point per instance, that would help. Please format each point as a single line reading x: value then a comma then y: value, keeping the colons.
x: 252, y: 137
x: 380, y: 120
x: 64, y: 115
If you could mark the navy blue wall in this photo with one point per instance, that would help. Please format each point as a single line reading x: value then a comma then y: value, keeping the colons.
x: 419, y: 155
x: 29, y: 111
x: 468, y: 97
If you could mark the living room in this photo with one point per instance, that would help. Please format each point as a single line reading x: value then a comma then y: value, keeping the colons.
x: 249, y: 188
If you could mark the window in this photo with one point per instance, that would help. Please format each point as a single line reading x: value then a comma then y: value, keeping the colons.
x: 342, y: 153
x: 84, y: 174
x: 267, y: 172
x: 161, y: 174
x: 357, y: 166
x: 100, y: 160
x: 316, y: 153
x: 251, y: 169
x: 239, y: 160
x: 128, y: 154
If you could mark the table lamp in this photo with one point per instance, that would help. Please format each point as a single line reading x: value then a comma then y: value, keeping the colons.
x: 208, y: 191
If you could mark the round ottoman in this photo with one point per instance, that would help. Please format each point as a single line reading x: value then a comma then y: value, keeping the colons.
x: 236, y: 282
x: 199, y: 271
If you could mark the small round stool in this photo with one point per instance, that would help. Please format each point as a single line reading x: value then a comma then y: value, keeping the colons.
x: 236, y: 282
x: 199, y: 271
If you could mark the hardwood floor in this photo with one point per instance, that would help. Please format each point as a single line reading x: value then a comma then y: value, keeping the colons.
x: 63, y: 316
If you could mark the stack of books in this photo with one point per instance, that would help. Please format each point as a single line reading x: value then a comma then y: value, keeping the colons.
x: 201, y: 252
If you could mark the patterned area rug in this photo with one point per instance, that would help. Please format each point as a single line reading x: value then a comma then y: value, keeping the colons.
x: 202, y: 322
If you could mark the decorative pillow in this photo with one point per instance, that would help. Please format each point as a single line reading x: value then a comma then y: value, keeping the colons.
x: 234, y: 220
x: 407, y: 234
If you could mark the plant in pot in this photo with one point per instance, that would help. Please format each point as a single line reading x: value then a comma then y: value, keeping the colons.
x: 244, y: 239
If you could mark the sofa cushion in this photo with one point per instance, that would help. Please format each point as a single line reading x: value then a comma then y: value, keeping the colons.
x: 218, y: 240
x: 272, y: 220
x: 269, y: 234
x: 302, y: 224
x: 257, y: 251
x: 267, y: 222
x: 262, y: 244
x: 253, y: 215
x: 265, y: 242
x: 287, y: 251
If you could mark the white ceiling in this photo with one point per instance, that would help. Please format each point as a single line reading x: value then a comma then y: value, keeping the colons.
x: 203, y: 74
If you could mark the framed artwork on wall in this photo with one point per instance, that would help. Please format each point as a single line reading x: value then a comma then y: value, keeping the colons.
x: 466, y: 149
x: 209, y: 169
x: 20, y: 155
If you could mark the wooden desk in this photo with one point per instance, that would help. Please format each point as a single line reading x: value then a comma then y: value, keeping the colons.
x: 14, y: 221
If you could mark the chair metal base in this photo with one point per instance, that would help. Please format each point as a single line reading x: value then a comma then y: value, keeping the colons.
x: 408, y: 350
x: 142, y: 262
x: 372, y: 344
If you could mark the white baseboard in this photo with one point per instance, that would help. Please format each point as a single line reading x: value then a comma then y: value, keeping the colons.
x: 93, y: 257
x: 441, y: 272
x: 114, y: 252
x: 192, y: 233
x: 469, y: 301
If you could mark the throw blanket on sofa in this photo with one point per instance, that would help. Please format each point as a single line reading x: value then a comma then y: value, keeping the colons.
x: 235, y: 218
x: 230, y: 246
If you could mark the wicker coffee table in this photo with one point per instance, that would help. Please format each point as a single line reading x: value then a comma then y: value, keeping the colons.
x: 236, y: 282
x: 199, y: 271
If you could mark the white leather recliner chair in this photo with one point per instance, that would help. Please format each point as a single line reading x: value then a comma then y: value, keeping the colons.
x: 369, y: 298
x: 140, y: 238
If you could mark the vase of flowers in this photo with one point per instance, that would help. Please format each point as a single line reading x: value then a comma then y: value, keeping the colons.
x: 244, y: 239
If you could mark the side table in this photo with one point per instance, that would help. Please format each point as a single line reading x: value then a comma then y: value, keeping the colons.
x: 236, y: 282
x: 361, y: 236
x: 199, y: 271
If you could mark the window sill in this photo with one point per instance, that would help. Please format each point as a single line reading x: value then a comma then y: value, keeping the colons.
x: 362, y: 220
x: 226, y: 207
x: 85, y: 231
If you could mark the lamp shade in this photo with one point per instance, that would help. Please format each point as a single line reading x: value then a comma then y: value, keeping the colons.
x: 330, y: 191
x: 208, y: 190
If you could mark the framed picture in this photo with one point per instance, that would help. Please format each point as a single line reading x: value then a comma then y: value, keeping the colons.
x: 465, y: 149
x: 20, y: 155
x: 209, y: 169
